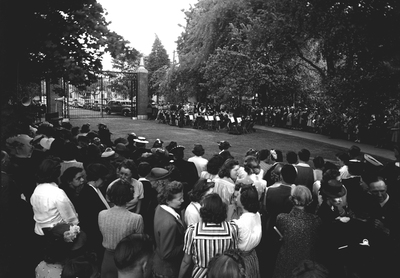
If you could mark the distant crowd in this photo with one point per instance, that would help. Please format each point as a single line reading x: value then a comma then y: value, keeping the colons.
x: 378, y: 130
x: 76, y: 203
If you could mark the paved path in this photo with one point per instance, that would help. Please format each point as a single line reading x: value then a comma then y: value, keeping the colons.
x: 388, y: 154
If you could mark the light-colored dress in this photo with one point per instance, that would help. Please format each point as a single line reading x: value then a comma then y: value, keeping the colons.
x: 224, y: 187
x: 249, y: 236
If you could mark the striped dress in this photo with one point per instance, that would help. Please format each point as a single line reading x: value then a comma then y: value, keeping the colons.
x: 204, y: 240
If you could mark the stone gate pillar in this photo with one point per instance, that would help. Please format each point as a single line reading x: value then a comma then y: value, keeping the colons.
x: 142, y: 98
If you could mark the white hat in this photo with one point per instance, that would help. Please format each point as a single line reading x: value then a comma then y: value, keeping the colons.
x: 46, y: 142
x: 108, y: 152
x: 141, y: 139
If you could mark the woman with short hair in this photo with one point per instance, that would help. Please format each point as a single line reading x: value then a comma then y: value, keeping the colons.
x: 300, y: 233
x: 117, y: 223
x: 168, y: 231
x: 207, y: 238
x: 249, y: 228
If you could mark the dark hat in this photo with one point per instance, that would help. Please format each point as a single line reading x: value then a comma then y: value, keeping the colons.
x: 92, y: 134
x: 141, y: 140
x: 158, y: 174
x: 108, y: 152
x: 71, y: 234
x: 132, y: 135
x: 85, y: 128
x: 198, y: 149
x: 171, y: 145
x: 158, y: 143
x: 120, y: 148
x: 121, y: 140
x: 177, y: 149
x: 224, y: 145
x: 333, y: 189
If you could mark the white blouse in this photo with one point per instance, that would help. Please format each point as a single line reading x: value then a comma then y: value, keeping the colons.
x: 250, y: 231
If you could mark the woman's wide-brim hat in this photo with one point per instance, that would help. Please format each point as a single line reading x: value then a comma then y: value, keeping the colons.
x: 141, y: 139
x: 179, y: 148
x: 108, y: 152
x: 333, y: 189
x: 158, y: 173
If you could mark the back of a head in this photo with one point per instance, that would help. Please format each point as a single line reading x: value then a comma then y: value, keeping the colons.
x: 354, y: 151
x: 310, y: 269
x: 319, y: 162
x: 144, y: 169
x: 263, y: 154
x: 304, y: 155
x: 96, y: 171
x: 78, y: 268
x: 288, y: 173
x: 132, y: 251
x: 230, y: 264
x: 291, y: 157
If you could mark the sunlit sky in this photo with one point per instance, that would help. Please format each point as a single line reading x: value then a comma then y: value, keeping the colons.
x: 140, y: 21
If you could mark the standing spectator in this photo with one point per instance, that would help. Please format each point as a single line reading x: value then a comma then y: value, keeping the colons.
x: 343, y: 159
x: 305, y: 174
x: 133, y: 256
x: 187, y: 171
x: 127, y: 171
x: 301, y: 232
x: 168, y: 231
x: 50, y: 203
x: 276, y: 201
x: 319, y: 163
x: 223, y: 146
x: 229, y: 264
x: 198, y: 159
x: 207, y: 238
x: 91, y: 201
x: 212, y: 168
x: 225, y: 183
x: 72, y: 181
x: 201, y: 189
x: 149, y: 202
x: 391, y: 174
x: 117, y: 223
x: 249, y: 228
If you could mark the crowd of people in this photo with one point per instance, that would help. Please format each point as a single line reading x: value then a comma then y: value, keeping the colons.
x: 75, y: 203
x: 379, y: 130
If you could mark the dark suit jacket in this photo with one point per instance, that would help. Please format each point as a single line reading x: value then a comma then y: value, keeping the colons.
x: 89, y: 206
x: 305, y: 176
x: 168, y: 235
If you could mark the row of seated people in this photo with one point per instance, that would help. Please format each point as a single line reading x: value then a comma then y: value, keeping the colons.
x: 209, y: 121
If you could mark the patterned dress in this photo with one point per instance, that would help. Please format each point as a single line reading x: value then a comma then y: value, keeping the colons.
x: 301, y: 231
x: 204, y: 240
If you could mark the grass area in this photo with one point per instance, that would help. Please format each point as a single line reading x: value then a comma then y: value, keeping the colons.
x: 120, y: 127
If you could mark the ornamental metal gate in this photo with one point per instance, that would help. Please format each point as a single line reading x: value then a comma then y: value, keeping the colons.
x: 95, y: 100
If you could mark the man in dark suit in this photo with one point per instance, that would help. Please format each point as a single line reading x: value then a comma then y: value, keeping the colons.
x: 386, y: 227
x: 187, y: 172
x: 305, y: 174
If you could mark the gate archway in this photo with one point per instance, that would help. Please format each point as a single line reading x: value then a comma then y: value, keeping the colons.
x: 91, y: 101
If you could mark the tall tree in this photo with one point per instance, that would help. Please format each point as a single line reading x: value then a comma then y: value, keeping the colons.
x: 157, y: 62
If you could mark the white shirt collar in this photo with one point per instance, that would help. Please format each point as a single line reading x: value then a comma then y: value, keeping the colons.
x: 385, y: 201
x: 171, y: 211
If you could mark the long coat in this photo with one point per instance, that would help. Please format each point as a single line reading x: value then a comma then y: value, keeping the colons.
x: 301, y: 232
